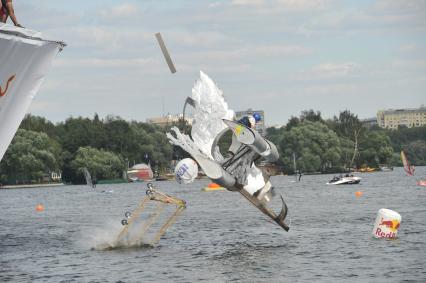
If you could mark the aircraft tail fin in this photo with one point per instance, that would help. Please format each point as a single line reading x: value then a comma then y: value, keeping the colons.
x: 283, y: 214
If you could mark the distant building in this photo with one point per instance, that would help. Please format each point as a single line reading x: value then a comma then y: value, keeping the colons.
x: 393, y: 118
x: 168, y: 120
x: 56, y: 177
x: 260, y: 126
x: 369, y: 122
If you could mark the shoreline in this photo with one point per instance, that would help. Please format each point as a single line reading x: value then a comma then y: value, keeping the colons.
x: 31, y: 186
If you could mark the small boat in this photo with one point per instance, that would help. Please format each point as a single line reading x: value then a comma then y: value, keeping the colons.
x: 367, y: 169
x: 213, y: 187
x: 386, y: 168
x: 344, y: 180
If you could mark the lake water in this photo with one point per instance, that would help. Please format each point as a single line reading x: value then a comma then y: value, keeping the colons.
x: 220, y: 237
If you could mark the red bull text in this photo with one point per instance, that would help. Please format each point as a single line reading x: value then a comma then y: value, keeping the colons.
x: 390, y: 230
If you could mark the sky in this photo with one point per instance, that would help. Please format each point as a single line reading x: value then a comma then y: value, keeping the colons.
x: 280, y: 56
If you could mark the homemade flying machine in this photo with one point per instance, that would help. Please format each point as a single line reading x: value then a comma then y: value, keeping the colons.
x: 236, y: 171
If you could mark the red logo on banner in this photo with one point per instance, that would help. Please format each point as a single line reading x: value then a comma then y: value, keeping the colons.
x: 3, y: 93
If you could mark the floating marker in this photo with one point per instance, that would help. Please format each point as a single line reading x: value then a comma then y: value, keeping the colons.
x: 39, y: 207
x: 358, y: 193
x: 165, y: 53
x: 186, y: 171
x: 213, y: 187
x: 387, y: 224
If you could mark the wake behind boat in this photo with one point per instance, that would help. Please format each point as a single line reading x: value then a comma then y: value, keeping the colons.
x: 344, y: 180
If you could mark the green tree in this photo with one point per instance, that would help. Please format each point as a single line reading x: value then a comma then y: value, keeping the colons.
x: 416, y: 150
x: 78, y: 132
x: 316, y: 147
x: 375, y: 149
x: 101, y: 164
x: 29, y: 157
x: 39, y: 124
x: 311, y: 115
x: 349, y: 126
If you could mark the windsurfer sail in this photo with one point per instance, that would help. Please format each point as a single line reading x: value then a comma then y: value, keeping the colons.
x: 409, y: 169
x: 25, y: 58
x: 236, y: 171
x: 88, y: 177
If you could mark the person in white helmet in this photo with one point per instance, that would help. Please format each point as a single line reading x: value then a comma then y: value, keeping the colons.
x: 250, y: 121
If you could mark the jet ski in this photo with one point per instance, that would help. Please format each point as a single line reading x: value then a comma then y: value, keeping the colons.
x: 344, y: 180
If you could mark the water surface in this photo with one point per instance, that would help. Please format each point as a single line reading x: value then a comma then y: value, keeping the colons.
x: 220, y: 237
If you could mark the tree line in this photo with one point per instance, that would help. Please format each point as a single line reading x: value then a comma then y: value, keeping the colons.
x: 107, y: 147
x: 343, y: 143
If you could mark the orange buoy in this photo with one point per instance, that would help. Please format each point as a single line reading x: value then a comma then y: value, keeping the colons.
x: 358, y: 193
x: 213, y: 185
x: 39, y: 207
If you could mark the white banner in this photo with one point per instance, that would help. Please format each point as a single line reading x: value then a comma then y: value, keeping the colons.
x: 25, y: 59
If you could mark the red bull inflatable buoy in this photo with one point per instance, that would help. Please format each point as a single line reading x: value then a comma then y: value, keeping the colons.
x: 387, y: 224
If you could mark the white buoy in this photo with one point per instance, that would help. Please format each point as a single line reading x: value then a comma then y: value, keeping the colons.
x: 387, y: 224
x: 186, y: 171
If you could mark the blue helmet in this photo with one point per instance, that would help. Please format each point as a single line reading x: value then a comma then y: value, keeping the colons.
x: 256, y: 117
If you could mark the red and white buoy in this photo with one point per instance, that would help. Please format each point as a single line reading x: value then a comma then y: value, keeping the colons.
x: 387, y: 224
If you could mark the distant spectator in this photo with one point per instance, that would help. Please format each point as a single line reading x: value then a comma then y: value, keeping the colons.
x: 6, y: 10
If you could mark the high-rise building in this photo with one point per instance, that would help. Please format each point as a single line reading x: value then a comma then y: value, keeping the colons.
x: 260, y: 126
x: 393, y: 118
x: 168, y: 120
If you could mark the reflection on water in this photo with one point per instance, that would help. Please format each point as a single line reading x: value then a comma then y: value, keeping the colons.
x: 220, y: 236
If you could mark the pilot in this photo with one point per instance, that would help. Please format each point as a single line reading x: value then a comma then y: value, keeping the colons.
x: 250, y: 121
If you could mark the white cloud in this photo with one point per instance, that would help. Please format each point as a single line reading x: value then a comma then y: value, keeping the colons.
x: 330, y: 89
x: 197, y: 39
x: 326, y: 71
x: 120, y: 11
x: 379, y: 17
x: 400, y: 6
x: 275, y: 50
x: 410, y: 64
x: 215, y: 4
x: 305, y: 5
x: 248, y: 53
x: 248, y: 2
x: 409, y: 48
x: 110, y: 39
x: 105, y: 63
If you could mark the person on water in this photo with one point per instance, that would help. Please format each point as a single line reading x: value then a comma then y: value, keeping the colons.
x: 250, y: 121
x: 94, y: 182
x: 6, y: 10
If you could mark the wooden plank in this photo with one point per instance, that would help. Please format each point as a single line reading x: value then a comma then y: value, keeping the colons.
x: 165, y: 53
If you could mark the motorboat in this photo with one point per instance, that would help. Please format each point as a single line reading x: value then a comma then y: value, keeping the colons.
x: 344, y: 180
